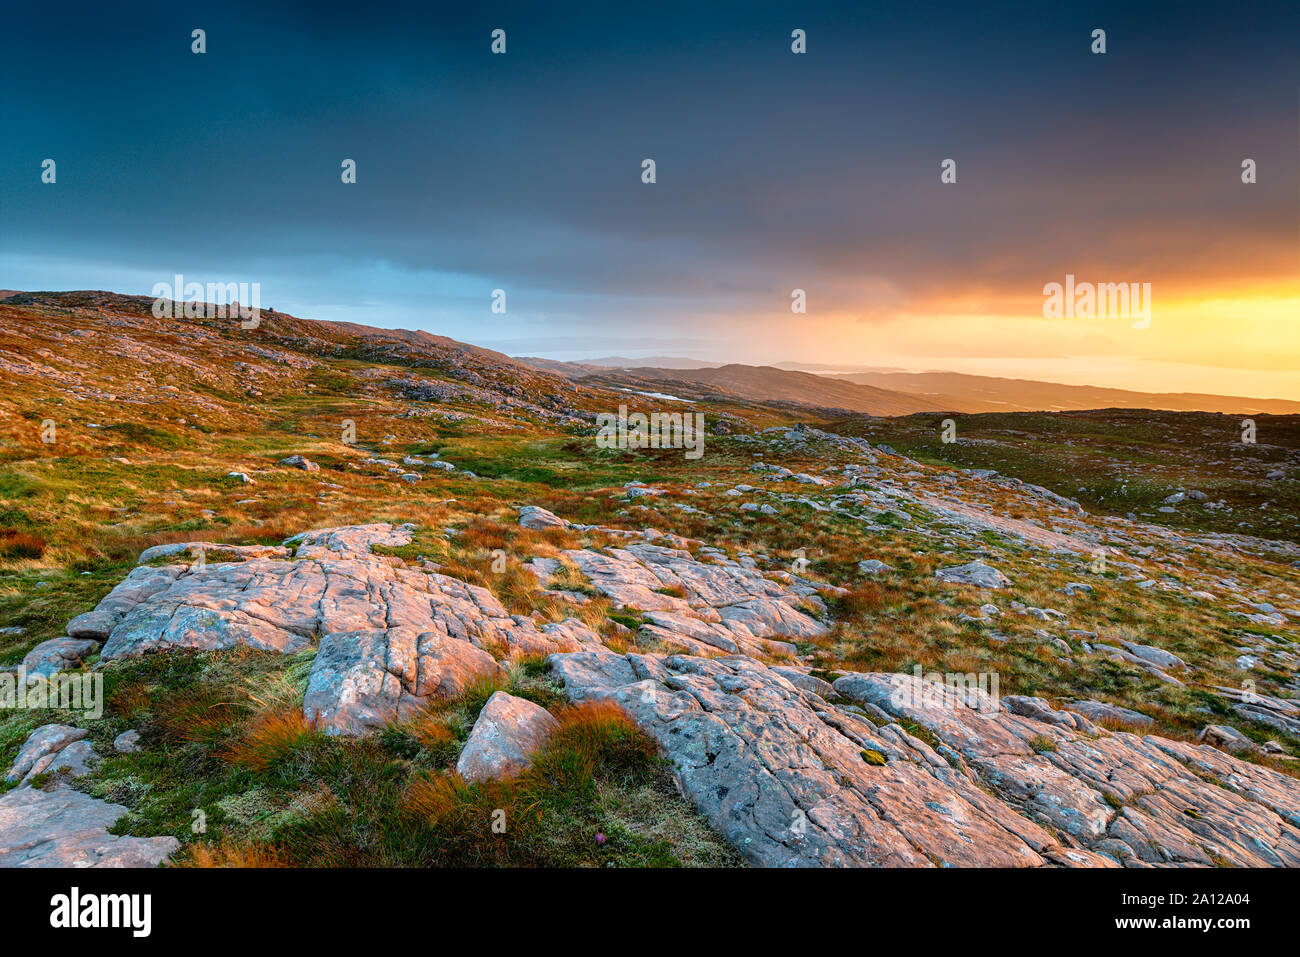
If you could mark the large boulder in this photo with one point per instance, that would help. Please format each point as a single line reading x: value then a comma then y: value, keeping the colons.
x: 1157, y: 656
x: 1228, y: 739
x: 508, y: 732
x: 363, y: 679
x: 389, y: 636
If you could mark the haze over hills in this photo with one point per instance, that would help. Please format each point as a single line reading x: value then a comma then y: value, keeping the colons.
x: 995, y: 394
x: 899, y: 393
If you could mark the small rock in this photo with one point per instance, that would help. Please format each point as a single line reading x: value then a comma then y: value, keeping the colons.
x: 508, y: 732
x: 300, y: 462
x: 44, y: 741
x: 873, y: 566
x: 974, y: 573
x: 534, y: 516
x: 1227, y: 739
x: 58, y: 654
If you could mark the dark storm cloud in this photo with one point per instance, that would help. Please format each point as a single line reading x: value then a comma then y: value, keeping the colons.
x: 774, y: 170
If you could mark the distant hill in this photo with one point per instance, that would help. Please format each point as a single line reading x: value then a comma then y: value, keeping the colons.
x: 889, y: 392
x: 767, y: 384
x: 977, y: 393
x: 589, y: 366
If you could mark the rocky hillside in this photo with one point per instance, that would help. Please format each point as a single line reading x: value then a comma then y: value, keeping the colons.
x: 458, y: 632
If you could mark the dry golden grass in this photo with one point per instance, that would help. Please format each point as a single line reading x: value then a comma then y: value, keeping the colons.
x: 270, y: 737
x: 437, y: 797
x: 202, y: 715
x: 17, y: 544
x: 430, y: 729
x: 589, y: 724
x: 130, y: 699
x: 232, y: 854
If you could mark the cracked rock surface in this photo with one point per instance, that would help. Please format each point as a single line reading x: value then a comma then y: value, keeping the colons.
x: 794, y: 780
x: 65, y: 828
x: 61, y: 827
x: 388, y: 636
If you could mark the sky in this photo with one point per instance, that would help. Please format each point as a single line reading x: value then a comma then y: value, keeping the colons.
x: 775, y: 171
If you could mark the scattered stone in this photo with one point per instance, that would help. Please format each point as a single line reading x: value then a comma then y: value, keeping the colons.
x: 874, y: 566
x: 975, y: 573
x: 1228, y: 739
x: 127, y: 742
x: 533, y: 516
x: 300, y: 462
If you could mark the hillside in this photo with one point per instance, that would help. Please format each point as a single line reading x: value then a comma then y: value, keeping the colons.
x: 354, y: 593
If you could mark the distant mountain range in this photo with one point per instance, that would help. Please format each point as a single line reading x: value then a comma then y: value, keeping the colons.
x: 890, y: 392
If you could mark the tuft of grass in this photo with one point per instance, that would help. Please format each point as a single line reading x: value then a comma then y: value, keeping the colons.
x: 206, y: 714
x: 233, y: 854
x: 857, y: 603
x: 15, y: 544
x: 271, y: 737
